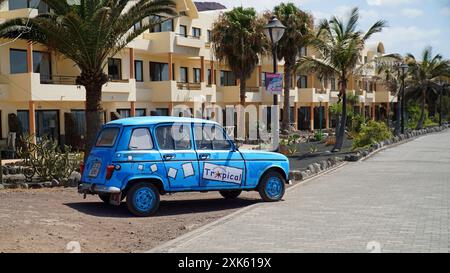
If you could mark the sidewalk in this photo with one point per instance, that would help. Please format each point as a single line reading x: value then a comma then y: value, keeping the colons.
x: 396, y: 201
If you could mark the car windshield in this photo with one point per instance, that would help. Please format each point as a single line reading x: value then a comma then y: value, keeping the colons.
x: 107, y: 137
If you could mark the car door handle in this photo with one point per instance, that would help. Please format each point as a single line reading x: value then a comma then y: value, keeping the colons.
x: 204, y: 156
x: 168, y: 156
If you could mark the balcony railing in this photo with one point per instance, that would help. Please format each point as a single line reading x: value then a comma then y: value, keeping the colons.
x: 321, y: 91
x: 252, y: 89
x: 188, y: 36
x: 189, y: 86
x: 58, y: 79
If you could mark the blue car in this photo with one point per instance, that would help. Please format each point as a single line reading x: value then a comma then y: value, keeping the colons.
x: 142, y: 158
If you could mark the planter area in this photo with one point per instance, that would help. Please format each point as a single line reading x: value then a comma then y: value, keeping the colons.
x: 304, y: 166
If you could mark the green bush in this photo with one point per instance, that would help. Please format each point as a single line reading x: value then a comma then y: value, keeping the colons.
x: 319, y: 136
x: 371, y: 133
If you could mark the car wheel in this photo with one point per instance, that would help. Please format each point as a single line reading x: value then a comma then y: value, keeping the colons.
x: 104, y: 197
x: 143, y: 199
x: 233, y: 194
x: 272, y: 187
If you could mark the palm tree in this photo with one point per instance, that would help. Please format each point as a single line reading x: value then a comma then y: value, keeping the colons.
x: 389, y: 73
x: 298, y: 34
x: 88, y: 33
x: 238, y: 40
x: 339, y: 44
x: 423, y: 75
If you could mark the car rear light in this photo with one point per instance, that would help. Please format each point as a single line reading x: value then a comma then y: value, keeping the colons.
x: 109, y: 171
x: 81, y: 168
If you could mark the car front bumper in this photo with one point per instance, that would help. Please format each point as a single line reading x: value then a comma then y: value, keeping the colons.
x: 88, y: 188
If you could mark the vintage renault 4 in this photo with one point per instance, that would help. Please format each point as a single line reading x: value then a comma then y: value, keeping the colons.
x: 142, y: 158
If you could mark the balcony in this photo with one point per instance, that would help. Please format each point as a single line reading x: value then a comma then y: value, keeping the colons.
x: 188, y: 41
x: 18, y: 13
x: 309, y: 95
x: 172, y: 91
x: 231, y: 94
x: 165, y: 42
x: 33, y: 86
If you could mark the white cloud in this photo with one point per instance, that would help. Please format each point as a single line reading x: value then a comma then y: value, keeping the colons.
x: 407, y: 39
x: 412, y: 13
x: 445, y: 11
x: 388, y: 2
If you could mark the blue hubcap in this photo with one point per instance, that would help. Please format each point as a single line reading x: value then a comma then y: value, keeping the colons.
x: 144, y: 198
x: 274, y: 187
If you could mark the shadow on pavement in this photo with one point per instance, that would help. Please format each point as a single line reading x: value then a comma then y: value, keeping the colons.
x: 166, y: 207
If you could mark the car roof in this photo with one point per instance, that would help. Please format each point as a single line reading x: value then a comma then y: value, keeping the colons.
x: 156, y: 120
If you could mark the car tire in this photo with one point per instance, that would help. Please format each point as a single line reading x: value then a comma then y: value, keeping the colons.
x: 272, y: 186
x: 143, y: 199
x: 232, y: 194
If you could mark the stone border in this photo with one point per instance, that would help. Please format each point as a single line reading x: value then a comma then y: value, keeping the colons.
x: 324, y: 165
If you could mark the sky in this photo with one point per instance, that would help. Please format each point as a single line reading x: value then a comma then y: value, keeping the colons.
x: 412, y: 24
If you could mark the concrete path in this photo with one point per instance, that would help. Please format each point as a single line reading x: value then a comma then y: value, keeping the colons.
x: 395, y: 201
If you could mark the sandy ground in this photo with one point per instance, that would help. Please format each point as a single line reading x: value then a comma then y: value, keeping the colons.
x: 46, y: 220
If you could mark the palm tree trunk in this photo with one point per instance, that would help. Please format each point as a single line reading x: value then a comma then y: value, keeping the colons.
x: 93, y: 83
x: 341, y: 130
x: 286, y: 106
x: 422, y: 109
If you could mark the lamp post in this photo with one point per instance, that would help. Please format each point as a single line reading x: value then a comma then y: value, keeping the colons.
x: 404, y: 69
x: 320, y: 98
x: 274, y: 30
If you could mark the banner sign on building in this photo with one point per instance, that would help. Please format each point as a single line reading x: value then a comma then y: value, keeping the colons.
x: 274, y: 83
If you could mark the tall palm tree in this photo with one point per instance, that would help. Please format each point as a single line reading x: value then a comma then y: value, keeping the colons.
x: 238, y: 40
x: 339, y: 45
x: 298, y: 34
x: 88, y: 33
x: 389, y: 73
x: 423, y: 74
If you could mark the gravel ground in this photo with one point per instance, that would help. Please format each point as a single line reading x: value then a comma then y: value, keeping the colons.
x: 46, y: 220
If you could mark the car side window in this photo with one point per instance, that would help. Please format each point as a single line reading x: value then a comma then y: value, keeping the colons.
x: 141, y: 139
x: 211, y: 137
x: 173, y: 137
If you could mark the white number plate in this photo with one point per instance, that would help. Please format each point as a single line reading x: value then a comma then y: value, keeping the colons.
x: 95, y: 169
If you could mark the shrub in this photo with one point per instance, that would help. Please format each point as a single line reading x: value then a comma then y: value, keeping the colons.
x: 47, y: 158
x: 318, y: 136
x: 290, y: 144
x: 372, y: 132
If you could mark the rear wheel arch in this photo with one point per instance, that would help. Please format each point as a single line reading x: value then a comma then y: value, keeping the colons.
x: 157, y: 182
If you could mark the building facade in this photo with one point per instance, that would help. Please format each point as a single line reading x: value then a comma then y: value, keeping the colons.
x: 169, y: 66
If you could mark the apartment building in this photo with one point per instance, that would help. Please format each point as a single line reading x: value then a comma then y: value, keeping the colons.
x: 171, y: 65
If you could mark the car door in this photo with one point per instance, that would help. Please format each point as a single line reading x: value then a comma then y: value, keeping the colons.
x: 221, y: 165
x: 178, y: 154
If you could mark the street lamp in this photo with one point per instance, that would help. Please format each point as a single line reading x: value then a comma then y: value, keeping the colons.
x: 320, y: 99
x: 403, y: 68
x: 274, y: 30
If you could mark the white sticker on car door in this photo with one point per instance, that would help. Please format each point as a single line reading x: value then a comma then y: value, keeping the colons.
x: 222, y: 173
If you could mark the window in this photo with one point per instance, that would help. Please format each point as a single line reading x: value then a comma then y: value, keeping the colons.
x: 42, y: 65
x: 23, y: 4
x: 208, y: 36
x: 167, y: 141
x: 184, y: 74
x: 209, y: 77
x: 303, y: 51
x: 107, y: 137
x: 227, y: 78
x: 162, y: 112
x: 159, y: 71
x: 211, y: 137
x: 197, y: 75
x: 196, y: 32
x: 140, y: 140
x: 164, y: 26
x: 115, y: 68
x: 183, y: 30
x: 18, y: 61
x: 302, y: 81
x: 263, y: 78
x: 139, y: 70
x: 141, y: 112
x: 24, y: 119
x: 124, y: 113
x: 79, y: 117
x: 138, y: 25
x: 333, y: 84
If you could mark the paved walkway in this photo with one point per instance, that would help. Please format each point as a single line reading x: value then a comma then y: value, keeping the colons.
x: 395, y: 201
